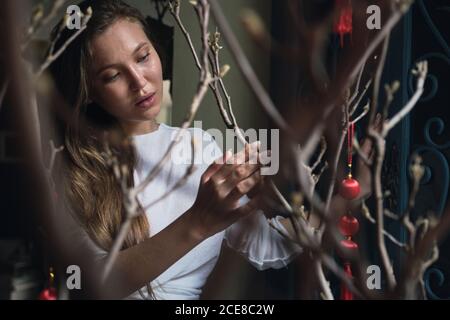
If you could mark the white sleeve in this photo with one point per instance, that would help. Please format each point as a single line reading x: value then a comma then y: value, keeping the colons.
x: 261, y: 244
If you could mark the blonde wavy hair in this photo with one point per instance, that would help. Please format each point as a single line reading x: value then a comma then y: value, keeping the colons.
x: 90, y: 187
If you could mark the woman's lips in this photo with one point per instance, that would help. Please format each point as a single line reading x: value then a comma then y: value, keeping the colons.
x: 146, y: 102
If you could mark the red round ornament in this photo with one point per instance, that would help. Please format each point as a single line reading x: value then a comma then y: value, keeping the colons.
x: 349, y: 189
x: 348, y: 225
x: 48, y: 294
x: 349, y: 245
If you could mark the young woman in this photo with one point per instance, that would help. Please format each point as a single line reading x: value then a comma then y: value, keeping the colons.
x: 112, y: 78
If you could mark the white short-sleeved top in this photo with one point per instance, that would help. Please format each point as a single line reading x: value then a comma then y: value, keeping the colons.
x: 262, y: 246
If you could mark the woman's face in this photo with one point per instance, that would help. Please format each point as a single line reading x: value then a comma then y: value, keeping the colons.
x: 126, y: 75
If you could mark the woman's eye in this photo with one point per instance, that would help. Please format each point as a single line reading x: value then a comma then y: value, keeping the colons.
x: 112, y: 78
x: 144, y: 58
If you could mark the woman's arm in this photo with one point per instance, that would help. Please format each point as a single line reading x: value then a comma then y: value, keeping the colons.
x: 144, y: 262
x: 215, y: 208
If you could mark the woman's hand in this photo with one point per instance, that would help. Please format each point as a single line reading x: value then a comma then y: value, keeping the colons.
x: 222, y: 185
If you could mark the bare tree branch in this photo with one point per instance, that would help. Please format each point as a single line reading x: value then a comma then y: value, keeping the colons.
x: 324, y: 284
x: 39, y: 20
x: 368, y: 162
x: 52, y: 56
x: 360, y: 97
x: 245, y: 67
x: 362, y: 115
x: 54, y: 151
x: 174, y: 9
x: 421, y: 73
x: 377, y: 80
x: 323, y: 149
x: 358, y: 83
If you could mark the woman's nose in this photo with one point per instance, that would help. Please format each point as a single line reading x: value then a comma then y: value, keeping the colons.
x: 137, y: 81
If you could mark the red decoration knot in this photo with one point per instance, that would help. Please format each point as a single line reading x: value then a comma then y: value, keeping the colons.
x: 344, y: 23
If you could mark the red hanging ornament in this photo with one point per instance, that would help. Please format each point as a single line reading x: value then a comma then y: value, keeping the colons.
x: 348, y: 224
x: 346, y: 294
x: 49, y: 293
x: 350, y: 187
x: 343, y: 25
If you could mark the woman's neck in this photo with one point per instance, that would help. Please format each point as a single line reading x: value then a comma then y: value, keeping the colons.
x: 138, y: 128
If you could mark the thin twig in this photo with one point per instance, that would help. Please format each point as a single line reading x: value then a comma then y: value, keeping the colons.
x: 53, y: 152
x: 361, y: 96
x: 174, y: 9
x: 40, y: 20
x: 380, y: 152
x: 246, y: 68
x: 363, y: 157
x: 417, y: 172
x: 377, y: 79
x: 324, y: 284
x: 358, y: 83
x: 368, y: 216
x: 323, y: 149
x: 52, y: 56
x: 318, y: 175
x: 334, y: 166
x: 390, y: 91
x: 362, y: 115
x: 421, y: 72
x: 391, y: 215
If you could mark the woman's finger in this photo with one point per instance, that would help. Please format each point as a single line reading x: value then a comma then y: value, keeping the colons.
x: 216, y: 166
x: 243, y: 187
x: 241, y: 173
x: 249, y: 151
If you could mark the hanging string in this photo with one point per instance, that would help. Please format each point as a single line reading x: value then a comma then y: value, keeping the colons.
x: 346, y: 294
x: 350, y: 135
x: 49, y: 293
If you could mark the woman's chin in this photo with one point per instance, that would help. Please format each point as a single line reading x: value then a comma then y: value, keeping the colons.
x: 151, y: 113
